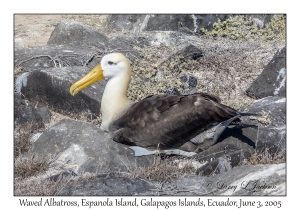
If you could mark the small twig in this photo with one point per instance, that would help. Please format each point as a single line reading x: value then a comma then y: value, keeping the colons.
x: 38, y: 56
x: 89, y: 59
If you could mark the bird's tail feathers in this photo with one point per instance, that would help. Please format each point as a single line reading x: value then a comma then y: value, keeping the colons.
x: 248, y: 114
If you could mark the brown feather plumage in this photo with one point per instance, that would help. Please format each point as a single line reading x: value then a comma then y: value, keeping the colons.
x: 165, y: 121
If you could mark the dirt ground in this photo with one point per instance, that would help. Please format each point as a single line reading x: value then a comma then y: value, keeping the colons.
x: 35, y: 30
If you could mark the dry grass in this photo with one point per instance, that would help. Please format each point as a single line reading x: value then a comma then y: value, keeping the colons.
x: 229, y: 67
x: 164, y: 170
x: 55, y: 118
x: 22, y: 145
x: 22, y: 135
x: 26, y: 167
x: 23, y: 166
x: 267, y: 157
x: 152, y: 74
x: 37, y: 187
x: 18, y: 71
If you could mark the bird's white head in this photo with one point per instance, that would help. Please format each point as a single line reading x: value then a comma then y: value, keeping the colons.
x: 112, y: 65
x: 115, y: 65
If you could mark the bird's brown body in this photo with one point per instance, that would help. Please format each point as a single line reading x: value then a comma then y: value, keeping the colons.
x: 168, y: 121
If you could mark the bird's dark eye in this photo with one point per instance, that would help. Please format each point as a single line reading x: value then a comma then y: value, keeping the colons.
x: 110, y: 63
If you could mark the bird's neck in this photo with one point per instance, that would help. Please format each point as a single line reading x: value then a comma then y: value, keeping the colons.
x: 114, y: 100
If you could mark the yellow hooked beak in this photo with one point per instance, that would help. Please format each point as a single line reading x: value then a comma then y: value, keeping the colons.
x: 93, y: 76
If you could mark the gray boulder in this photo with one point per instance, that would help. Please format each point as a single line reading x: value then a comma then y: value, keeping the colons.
x: 190, y: 52
x: 50, y: 56
x: 265, y: 131
x: 71, y: 44
x: 271, y: 124
x: 44, y: 113
x: 193, y: 22
x: 223, y: 157
x: 51, y: 87
x: 126, y: 43
x: 25, y: 112
x: 190, y: 23
x: 70, y: 32
x: 82, y: 147
x: 129, y: 22
x: 154, y: 38
x: 272, y: 81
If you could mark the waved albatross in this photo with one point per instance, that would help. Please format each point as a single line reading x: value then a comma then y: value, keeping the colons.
x: 156, y: 122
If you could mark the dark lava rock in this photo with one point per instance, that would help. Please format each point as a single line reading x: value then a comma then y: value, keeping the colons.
x: 189, y: 81
x: 223, y: 157
x: 128, y: 22
x: 268, y: 128
x: 72, y: 44
x: 224, y: 163
x: 265, y: 132
x: 225, y: 147
x: 110, y: 186
x: 82, y: 147
x: 190, y: 52
x: 25, y: 112
x: 42, y: 57
x: 44, y: 113
x: 163, y: 22
x: 154, y: 38
x: 271, y: 124
x: 259, y: 133
x: 51, y: 87
x: 272, y: 81
x: 243, y: 180
x: 171, y: 22
x: 70, y: 32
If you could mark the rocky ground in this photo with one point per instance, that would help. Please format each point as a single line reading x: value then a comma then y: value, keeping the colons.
x: 59, y: 149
